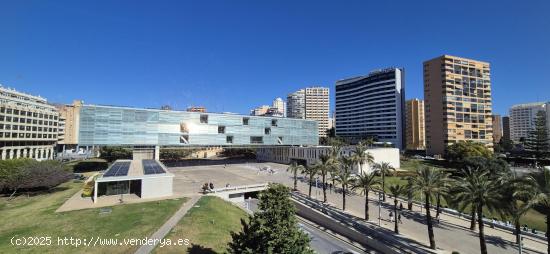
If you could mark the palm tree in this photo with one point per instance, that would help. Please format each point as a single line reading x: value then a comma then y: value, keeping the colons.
x: 325, y: 165
x: 366, y: 182
x: 384, y: 168
x: 410, y: 194
x: 344, y: 178
x: 396, y: 191
x: 334, y: 154
x: 517, y: 199
x: 483, y: 191
x: 361, y: 156
x: 429, y: 182
x: 295, y: 168
x: 541, y: 183
x: 310, y: 172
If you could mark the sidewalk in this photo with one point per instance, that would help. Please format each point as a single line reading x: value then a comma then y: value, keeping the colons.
x: 451, y: 234
x: 168, y: 225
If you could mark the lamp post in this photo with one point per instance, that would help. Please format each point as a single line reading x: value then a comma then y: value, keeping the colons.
x: 379, y: 207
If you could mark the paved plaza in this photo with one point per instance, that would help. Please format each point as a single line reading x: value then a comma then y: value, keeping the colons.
x: 451, y: 233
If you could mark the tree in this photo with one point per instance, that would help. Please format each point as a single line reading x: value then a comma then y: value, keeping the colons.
x: 483, y: 191
x: 325, y: 165
x: 541, y: 196
x: 429, y: 182
x: 459, y: 151
x: 310, y: 172
x: 384, y: 168
x: 396, y: 191
x: 294, y: 169
x: 111, y: 154
x: 537, y: 139
x: 517, y: 198
x: 344, y: 178
x: 361, y: 156
x: 273, y: 229
x: 13, y: 175
x: 366, y: 182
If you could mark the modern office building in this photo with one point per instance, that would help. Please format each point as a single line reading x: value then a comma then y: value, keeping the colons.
x: 310, y: 103
x: 414, y: 125
x: 497, y: 128
x: 522, y: 119
x: 108, y: 125
x: 28, y: 126
x: 200, y: 109
x: 506, y: 128
x: 372, y: 106
x: 296, y: 105
x: 458, y: 106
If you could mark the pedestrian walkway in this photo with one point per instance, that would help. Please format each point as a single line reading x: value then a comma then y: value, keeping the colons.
x: 168, y: 225
x: 451, y: 234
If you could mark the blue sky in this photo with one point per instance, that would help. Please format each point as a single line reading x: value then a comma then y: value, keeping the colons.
x: 235, y: 55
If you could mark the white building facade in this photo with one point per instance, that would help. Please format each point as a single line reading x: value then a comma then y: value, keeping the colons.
x: 372, y: 106
x: 28, y: 126
x: 522, y: 119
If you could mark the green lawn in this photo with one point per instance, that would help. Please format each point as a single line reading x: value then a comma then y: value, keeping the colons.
x: 207, y: 226
x: 413, y: 164
x: 35, y: 216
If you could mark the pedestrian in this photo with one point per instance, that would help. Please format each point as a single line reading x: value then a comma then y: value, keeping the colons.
x: 391, y: 216
x: 400, y: 206
x: 211, y: 186
x: 399, y: 218
x: 437, y: 219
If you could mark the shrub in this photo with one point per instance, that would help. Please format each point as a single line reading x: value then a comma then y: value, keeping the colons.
x: 115, y: 153
x: 87, y: 166
x: 31, y: 175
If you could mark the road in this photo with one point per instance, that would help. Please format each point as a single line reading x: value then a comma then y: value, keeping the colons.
x: 326, y: 243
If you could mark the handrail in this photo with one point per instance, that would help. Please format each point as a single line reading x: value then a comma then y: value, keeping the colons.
x: 241, y: 187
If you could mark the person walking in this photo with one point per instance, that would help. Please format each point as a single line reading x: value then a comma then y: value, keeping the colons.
x: 399, y: 218
x: 400, y: 206
x: 391, y: 216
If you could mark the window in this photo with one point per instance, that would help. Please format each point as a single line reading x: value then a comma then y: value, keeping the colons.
x: 274, y: 122
x: 256, y: 140
x: 267, y: 131
x: 245, y: 120
x: 229, y: 139
x: 221, y: 129
x: 184, y: 139
x: 280, y: 140
x: 204, y: 118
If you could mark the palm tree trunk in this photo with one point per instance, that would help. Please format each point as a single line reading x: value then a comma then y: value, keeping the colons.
x: 383, y: 187
x: 324, y: 189
x: 310, y: 184
x: 295, y: 179
x: 473, y: 219
x: 518, y: 231
x: 395, y: 227
x: 410, y: 200
x: 366, y: 205
x: 482, y: 244
x: 438, y: 206
x: 343, y: 197
x: 429, y: 223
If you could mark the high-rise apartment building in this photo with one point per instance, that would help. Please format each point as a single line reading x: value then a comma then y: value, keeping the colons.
x: 296, y: 104
x: 28, y: 126
x: 280, y: 105
x: 506, y: 128
x: 69, y: 120
x: 372, y: 106
x: 414, y: 125
x: 522, y: 119
x: 317, y: 107
x: 458, y: 106
x: 310, y: 103
x: 497, y: 128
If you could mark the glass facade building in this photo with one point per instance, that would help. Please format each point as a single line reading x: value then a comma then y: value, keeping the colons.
x: 108, y: 125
